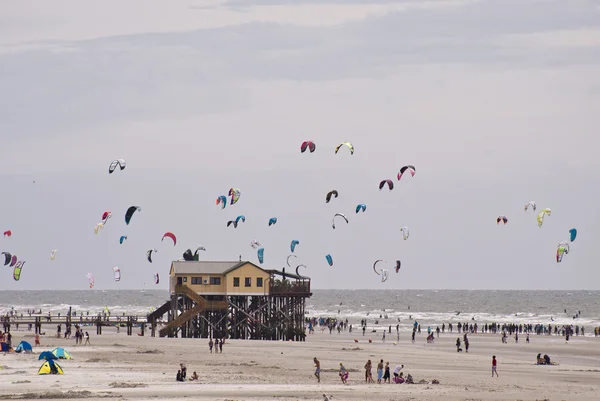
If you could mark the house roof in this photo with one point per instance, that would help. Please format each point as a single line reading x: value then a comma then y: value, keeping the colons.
x: 207, y: 267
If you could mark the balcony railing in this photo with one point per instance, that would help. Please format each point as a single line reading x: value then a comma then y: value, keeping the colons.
x: 289, y: 287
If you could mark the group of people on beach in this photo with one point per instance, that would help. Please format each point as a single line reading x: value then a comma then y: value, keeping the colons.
x: 383, y: 373
x: 218, y: 344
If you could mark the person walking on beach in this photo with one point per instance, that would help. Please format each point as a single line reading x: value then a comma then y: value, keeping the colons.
x: 343, y: 373
x: 527, y: 339
x: 386, y: 375
x: 494, y: 364
x: 458, y: 344
x: 317, y: 369
x: 466, y: 341
x: 210, y: 345
x: 221, y: 345
x: 216, y: 345
x: 37, y: 340
x: 368, y: 373
x: 380, y: 371
x: 87, y: 339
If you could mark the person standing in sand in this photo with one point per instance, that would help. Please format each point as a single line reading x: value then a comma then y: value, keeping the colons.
x: 386, y: 375
x: 221, y: 345
x: 210, y: 345
x: 317, y: 369
x: 379, y: 371
x: 494, y: 364
x: 216, y: 346
x: 87, y: 339
x: 368, y: 373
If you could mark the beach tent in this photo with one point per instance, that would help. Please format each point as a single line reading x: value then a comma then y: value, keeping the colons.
x: 23, y: 346
x: 47, y: 355
x: 46, y: 368
x: 4, y: 347
x: 61, y: 353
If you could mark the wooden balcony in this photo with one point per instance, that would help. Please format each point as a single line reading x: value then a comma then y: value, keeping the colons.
x: 293, y: 288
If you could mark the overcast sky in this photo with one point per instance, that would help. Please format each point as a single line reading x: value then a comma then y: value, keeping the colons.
x: 496, y: 103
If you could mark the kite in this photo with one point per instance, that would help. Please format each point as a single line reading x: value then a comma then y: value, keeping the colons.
x: 117, y: 273
x: 532, y: 204
x: 375, y: 266
x: 130, y: 212
x: 398, y: 264
x: 106, y: 216
x: 288, y: 259
x: 17, y: 270
x: 170, y: 235
x: 308, y: 144
x: 561, y: 250
x: 122, y: 239
x: 236, y: 221
x: 7, y: 258
x: 384, y: 275
x: 573, y: 233
x: 187, y: 255
x: 90, y: 278
x: 222, y: 200
x: 98, y: 227
x: 261, y: 255
x: 254, y: 244
x: 53, y: 254
x: 13, y: 260
x: 334, y: 216
x: 297, y: 267
x: 272, y: 221
x: 348, y: 144
x: 361, y: 207
x: 200, y: 248
x: 156, y: 279
x: 113, y: 166
x: 8, y: 233
x: 329, y: 194
x: 411, y: 169
x: 235, y: 195
x: 503, y: 219
x: 389, y: 182
x: 329, y: 259
x: 293, y: 245
x: 149, y: 254
x: 405, y: 232
x: 541, y: 215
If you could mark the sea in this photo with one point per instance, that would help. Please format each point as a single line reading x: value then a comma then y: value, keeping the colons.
x: 378, y: 307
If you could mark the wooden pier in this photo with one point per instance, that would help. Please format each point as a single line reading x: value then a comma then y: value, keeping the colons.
x: 48, y: 324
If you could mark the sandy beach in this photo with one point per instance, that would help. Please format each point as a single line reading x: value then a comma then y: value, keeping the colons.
x: 138, y: 368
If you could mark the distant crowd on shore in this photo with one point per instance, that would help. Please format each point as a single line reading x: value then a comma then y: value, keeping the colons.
x: 506, y: 329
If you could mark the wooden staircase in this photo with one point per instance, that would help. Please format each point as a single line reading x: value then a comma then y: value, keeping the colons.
x: 201, y: 304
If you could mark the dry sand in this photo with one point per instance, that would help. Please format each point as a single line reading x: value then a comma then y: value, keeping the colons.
x: 142, y: 368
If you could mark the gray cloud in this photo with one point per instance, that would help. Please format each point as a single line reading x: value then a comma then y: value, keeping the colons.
x: 490, y: 124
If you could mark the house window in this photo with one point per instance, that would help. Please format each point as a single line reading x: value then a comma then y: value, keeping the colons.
x: 248, y: 282
x: 236, y: 281
x: 197, y: 280
x: 185, y: 279
x: 259, y: 281
x: 215, y: 280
